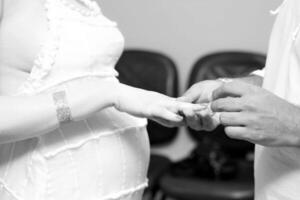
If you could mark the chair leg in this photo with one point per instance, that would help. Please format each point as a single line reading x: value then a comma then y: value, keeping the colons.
x: 151, y: 194
x: 162, y: 196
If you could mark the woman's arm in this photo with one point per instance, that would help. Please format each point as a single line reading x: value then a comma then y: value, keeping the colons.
x: 26, y: 117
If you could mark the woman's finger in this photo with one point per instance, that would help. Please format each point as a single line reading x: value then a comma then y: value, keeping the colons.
x: 190, y: 107
x: 163, y: 113
x: 167, y: 123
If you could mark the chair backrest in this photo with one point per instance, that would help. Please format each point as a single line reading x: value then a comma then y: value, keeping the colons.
x: 151, y: 71
x: 225, y: 64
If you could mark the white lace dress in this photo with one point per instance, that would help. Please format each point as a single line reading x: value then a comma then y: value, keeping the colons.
x: 104, y: 157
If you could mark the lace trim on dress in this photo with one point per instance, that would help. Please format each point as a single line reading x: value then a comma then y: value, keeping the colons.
x: 73, y: 163
x: 93, y: 16
x: 100, y: 170
x: 92, y: 9
x: 77, y: 77
x: 46, y: 57
x: 139, y: 163
x: 89, y: 139
x: 115, y: 196
x: 124, y: 162
x: 126, y: 192
x: 49, y: 49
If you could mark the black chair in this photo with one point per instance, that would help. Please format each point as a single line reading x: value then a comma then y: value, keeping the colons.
x: 156, y: 72
x: 230, y: 175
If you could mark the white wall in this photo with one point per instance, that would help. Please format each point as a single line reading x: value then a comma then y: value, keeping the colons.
x: 187, y: 29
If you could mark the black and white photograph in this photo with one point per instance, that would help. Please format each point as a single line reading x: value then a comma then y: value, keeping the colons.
x: 149, y: 100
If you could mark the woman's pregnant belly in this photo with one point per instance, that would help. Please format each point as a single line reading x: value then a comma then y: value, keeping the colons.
x: 103, y: 157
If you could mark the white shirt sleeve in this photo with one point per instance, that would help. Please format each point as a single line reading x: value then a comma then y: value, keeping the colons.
x: 259, y: 72
x: 1, y: 9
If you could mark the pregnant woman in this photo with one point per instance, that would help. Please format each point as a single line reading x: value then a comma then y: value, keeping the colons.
x: 68, y: 128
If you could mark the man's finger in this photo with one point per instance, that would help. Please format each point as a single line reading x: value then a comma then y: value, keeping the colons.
x: 195, y: 122
x: 188, y: 97
x: 228, y: 104
x: 191, y: 95
x: 241, y: 133
x: 233, y: 89
x: 209, y: 123
x: 238, y: 132
x: 233, y: 119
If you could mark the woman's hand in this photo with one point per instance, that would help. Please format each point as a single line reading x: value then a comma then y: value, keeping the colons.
x: 158, y: 107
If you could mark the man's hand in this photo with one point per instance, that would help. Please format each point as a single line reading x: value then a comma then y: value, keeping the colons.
x: 251, y: 113
x: 201, y: 92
